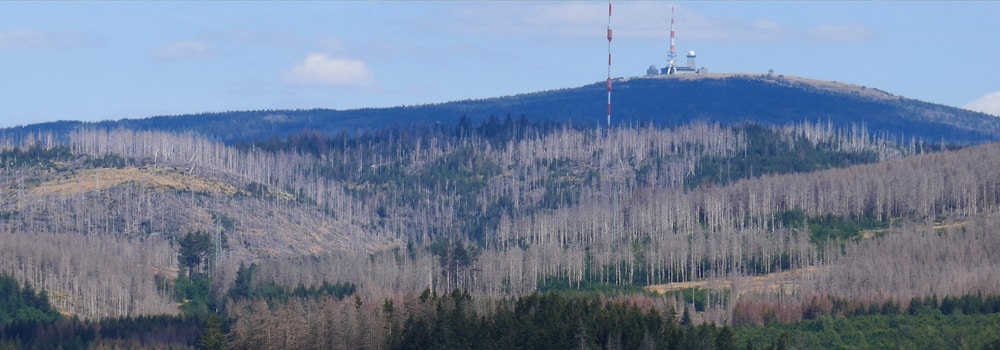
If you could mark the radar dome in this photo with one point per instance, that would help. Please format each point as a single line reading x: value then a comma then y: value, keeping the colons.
x: 690, y: 53
x: 652, y: 70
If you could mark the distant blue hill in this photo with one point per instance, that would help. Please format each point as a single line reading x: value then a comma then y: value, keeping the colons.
x: 662, y: 101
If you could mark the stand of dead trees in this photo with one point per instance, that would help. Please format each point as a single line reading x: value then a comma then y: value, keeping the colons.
x: 575, y: 208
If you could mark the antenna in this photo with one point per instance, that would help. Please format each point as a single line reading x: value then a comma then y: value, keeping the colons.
x: 609, y: 64
x: 672, y: 56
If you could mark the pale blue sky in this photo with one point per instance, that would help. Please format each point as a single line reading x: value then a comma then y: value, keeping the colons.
x: 110, y: 60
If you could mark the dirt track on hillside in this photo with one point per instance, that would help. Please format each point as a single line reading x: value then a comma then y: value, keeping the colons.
x: 785, y: 281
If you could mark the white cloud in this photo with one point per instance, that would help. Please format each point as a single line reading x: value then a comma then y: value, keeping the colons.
x: 989, y: 103
x: 33, y: 39
x: 330, y: 44
x: 280, y: 39
x: 182, y: 49
x: 840, y: 32
x: 636, y: 19
x: 698, y: 27
x: 569, y: 19
x: 320, y: 70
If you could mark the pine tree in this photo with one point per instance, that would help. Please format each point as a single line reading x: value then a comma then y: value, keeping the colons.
x: 212, y: 337
x: 686, y: 317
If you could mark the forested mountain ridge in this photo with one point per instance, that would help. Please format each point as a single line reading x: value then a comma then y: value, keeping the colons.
x: 385, y: 236
x: 663, y: 101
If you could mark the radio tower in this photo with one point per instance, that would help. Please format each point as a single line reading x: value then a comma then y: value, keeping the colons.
x: 609, y: 64
x: 672, y: 55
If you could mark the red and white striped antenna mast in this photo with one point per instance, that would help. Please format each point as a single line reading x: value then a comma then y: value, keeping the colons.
x: 609, y: 64
x: 672, y: 56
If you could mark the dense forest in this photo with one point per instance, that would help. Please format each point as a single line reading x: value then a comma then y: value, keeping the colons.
x: 766, y: 99
x: 311, y: 319
x: 485, y: 233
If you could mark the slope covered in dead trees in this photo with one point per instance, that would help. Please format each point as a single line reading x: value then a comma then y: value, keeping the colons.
x: 745, y: 224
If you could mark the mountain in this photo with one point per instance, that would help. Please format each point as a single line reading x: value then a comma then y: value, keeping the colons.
x: 815, y: 202
x: 660, y: 100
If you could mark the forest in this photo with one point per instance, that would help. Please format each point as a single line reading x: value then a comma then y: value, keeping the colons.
x: 500, y: 233
x: 730, y: 99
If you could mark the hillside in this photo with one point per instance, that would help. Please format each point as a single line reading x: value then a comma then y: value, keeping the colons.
x: 394, y: 228
x: 663, y: 101
x: 504, y: 195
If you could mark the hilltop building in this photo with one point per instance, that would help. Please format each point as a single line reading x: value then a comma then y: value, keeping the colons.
x: 672, y: 68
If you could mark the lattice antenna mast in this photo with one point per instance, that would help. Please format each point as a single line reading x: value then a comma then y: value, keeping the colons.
x: 609, y: 64
x: 614, y: 175
x: 672, y: 55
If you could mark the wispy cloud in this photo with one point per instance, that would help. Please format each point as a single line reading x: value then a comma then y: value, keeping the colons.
x: 34, y: 39
x: 318, y: 69
x: 182, y: 49
x: 693, y: 25
x: 634, y: 19
x: 570, y: 19
x: 279, y: 39
x: 989, y: 103
x: 840, y: 32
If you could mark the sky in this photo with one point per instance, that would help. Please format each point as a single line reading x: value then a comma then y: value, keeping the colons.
x: 105, y: 60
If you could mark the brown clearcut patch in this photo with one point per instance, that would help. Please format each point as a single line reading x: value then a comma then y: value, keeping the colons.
x: 91, y: 180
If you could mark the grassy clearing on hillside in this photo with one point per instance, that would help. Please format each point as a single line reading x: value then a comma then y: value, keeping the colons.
x: 91, y: 180
x: 785, y: 281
